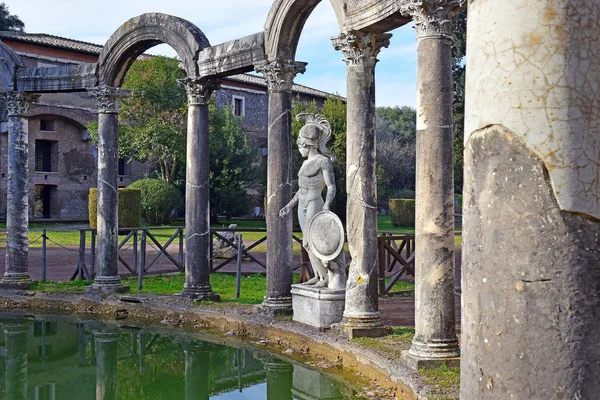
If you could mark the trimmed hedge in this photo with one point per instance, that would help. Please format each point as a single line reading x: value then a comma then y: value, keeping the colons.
x: 130, y: 211
x: 159, y: 199
x: 402, y: 212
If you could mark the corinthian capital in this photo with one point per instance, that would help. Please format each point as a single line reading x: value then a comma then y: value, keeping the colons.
x: 107, y: 98
x: 199, y: 90
x: 280, y: 74
x: 360, y: 48
x: 18, y: 102
x: 433, y: 18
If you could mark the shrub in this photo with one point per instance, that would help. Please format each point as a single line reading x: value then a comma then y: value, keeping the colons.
x: 159, y: 199
x: 129, y: 207
x: 402, y: 212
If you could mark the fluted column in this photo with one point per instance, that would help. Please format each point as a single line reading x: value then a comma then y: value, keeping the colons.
x: 16, y: 274
x: 435, y: 332
x: 280, y: 79
x: 107, y: 272
x: 361, y: 312
x: 197, y: 192
x: 16, y: 335
x: 106, y: 365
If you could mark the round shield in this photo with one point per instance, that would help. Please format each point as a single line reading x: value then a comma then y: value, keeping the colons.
x: 326, y: 235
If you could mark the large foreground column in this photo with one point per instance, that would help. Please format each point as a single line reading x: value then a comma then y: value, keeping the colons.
x: 16, y: 334
x: 280, y: 78
x: 107, y: 344
x: 435, y: 332
x: 197, y: 192
x: 107, y: 272
x: 16, y: 274
x: 531, y: 222
x: 361, y: 313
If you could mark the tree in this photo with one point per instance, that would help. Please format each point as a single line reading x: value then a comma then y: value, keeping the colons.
x: 458, y: 84
x: 9, y: 22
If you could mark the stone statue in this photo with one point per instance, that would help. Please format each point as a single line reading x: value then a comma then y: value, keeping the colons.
x: 315, y: 175
x: 222, y: 249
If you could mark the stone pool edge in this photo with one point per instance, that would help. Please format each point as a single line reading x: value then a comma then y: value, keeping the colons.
x: 234, y: 319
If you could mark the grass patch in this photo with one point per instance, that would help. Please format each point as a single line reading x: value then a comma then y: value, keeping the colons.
x: 62, y: 287
x: 442, y: 377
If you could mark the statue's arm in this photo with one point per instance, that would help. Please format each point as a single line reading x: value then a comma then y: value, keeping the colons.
x: 329, y: 183
x: 288, y: 207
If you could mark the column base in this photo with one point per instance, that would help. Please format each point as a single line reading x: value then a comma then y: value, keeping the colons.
x: 200, y: 293
x: 12, y: 280
x: 433, y: 354
x: 107, y: 285
x: 274, y: 306
x: 366, y: 324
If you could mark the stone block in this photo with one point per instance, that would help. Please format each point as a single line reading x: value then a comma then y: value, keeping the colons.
x: 318, y: 307
x: 419, y: 363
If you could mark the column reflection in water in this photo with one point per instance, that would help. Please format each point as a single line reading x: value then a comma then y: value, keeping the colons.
x: 106, y: 364
x: 279, y: 378
x: 16, y: 334
x: 197, y: 370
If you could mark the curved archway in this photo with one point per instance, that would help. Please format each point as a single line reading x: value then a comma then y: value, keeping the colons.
x: 285, y: 22
x: 78, y: 119
x: 10, y: 60
x: 143, y: 32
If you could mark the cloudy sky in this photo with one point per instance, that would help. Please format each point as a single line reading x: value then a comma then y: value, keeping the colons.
x: 224, y: 20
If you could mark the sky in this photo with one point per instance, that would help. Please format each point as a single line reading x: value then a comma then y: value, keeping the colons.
x: 225, y: 20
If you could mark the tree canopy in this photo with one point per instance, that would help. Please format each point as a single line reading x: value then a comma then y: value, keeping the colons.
x: 9, y: 22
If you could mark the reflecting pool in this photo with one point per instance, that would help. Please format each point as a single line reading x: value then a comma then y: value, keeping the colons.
x: 52, y: 359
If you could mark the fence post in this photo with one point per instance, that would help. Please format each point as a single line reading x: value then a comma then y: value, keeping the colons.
x: 135, y: 255
x: 181, y: 257
x: 44, y: 255
x: 81, y: 254
x: 238, y: 276
x: 142, y: 260
x: 381, y: 266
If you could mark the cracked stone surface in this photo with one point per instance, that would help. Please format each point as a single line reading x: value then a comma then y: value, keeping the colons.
x: 530, y: 279
x: 540, y: 80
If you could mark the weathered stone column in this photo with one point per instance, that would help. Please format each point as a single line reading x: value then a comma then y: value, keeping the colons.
x: 531, y: 217
x: 16, y: 335
x: 197, y: 370
x: 435, y: 320
x: 16, y: 274
x: 106, y: 365
x: 197, y: 192
x: 107, y: 272
x: 361, y: 312
x: 280, y: 78
x: 280, y: 376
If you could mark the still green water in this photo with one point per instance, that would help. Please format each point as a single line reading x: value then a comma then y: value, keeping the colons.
x: 45, y: 359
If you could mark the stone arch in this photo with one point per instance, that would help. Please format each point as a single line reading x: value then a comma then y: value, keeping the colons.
x: 143, y: 32
x: 78, y: 118
x: 285, y: 22
x: 9, y: 60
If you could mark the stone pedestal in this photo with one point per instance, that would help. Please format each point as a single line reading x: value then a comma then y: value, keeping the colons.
x: 279, y: 75
x: 312, y: 384
x: 319, y: 307
x: 16, y: 274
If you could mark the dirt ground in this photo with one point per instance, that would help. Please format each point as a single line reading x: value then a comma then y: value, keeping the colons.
x: 62, y: 265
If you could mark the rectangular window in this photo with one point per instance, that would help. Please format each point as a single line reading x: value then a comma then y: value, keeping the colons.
x: 238, y: 106
x: 47, y: 125
x: 43, y: 201
x: 45, y: 156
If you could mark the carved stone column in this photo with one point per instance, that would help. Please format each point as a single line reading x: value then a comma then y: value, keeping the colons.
x: 106, y: 365
x: 280, y: 78
x: 361, y: 312
x: 197, y: 370
x: 16, y: 274
x: 107, y: 272
x: 16, y: 335
x: 435, y: 332
x: 197, y: 192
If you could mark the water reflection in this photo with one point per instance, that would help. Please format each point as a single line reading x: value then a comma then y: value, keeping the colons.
x: 51, y: 360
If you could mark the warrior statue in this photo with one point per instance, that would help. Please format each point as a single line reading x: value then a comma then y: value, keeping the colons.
x: 326, y: 248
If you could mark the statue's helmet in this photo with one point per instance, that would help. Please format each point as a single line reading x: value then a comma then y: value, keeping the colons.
x: 310, y: 133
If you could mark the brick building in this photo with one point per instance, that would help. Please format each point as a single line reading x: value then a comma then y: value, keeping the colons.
x: 63, y: 159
